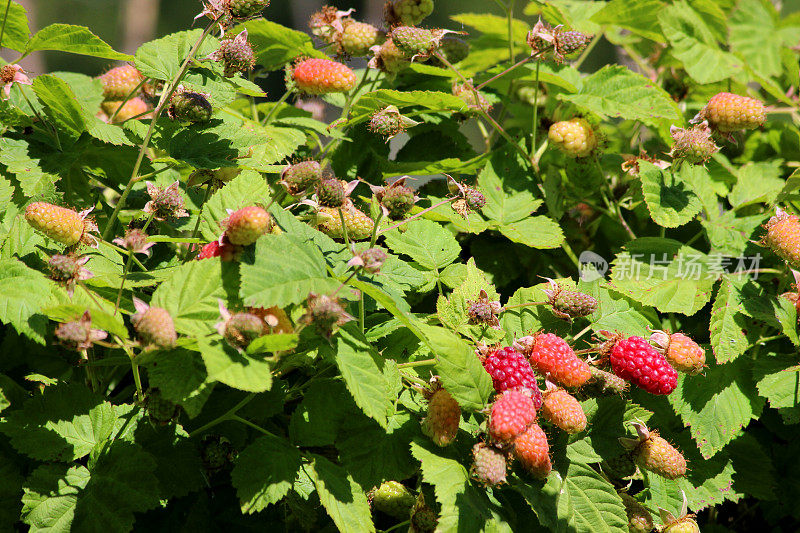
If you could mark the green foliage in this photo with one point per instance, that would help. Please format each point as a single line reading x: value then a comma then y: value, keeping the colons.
x: 305, y: 370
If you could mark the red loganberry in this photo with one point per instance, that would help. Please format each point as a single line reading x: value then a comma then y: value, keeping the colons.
x: 510, y: 370
x: 489, y: 464
x: 728, y: 112
x: 637, y: 361
x: 783, y: 237
x: 119, y: 82
x: 553, y: 357
x: 512, y: 412
x: 321, y: 76
x: 533, y: 452
x: 225, y: 251
x: 246, y: 225
x: 562, y: 410
x: 441, y: 422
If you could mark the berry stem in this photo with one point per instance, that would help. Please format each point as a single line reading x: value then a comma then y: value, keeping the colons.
x: 535, y: 123
x: 374, y: 236
x: 507, y: 307
x: 416, y: 215
x: 506, y: 71
x: 425, y: 362
x: 498, y: 128
x: 137, y: 379
x: 124, y: 251
x: 127, y: 267
x: 582, y: 332
x: 89, y: 370
x: 197, y: 223
x: 230, y: 414
x: 253, y: 425
x: 165, y: 96
x: 274, y: 109
x: 125, y: 100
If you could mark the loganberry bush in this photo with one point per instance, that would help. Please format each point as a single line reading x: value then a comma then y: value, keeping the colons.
x: 453, y: 279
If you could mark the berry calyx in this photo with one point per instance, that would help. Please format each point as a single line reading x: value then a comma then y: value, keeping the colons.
x: 783, y: 237
x: 550, y: 355
x: 166, y: 202
x: 608, y: 381
x: 533, y: 451
x: 574, y: 137
x: 370, y: 260
x: 387, y: 58
x: 396, y: 199
x: 245, y: 226
x: 561, y: 409
x: 512, y: 412
x: 484, y: 311
x: 489, y: 464
x: 239, y: 329
x: 78, y: 334
x: 322, y: 76
x: 443, y: 416
x: 635, y: 360
x: 324, y: 313
x: 726, y: 112
x: 68, y: 270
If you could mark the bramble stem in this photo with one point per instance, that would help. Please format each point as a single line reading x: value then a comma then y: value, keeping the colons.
x: 230, y: 414
x: 535, y: 125
x: 275, y: 108
x: 5, y: 19
x: 165, y: 96
x: 253, y: 425
x: 89, y: 370
x: 506, y: 71
x: 127, y: 267
x: 426, y: 362
x: 125, y: 100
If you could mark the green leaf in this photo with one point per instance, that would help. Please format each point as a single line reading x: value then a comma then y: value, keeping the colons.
x: 285, y: 270
x: 275, y: 44
x: 754, y: 36
x: 434, y: 101
x: 617, y: 92
x: 16, y: 33
x: 191, y: 295
x: 728, y: 340
x: 316, y: 421
x: 62, y: 424
x: 358, y: 363
x: 464, y: 507
x: 10, y: 492
x: 161, y: 59
x: 716, y: 415
x: 493, y: 25
x: 181, y: 377
x: 617, y: 312
x: 519, y: 321
x: 22, y: 294
x: 120, y: 484
x: 276, y: 342
x: 595, y: 504
x: 457, y: 365
x: 452, y: 310
x: 695, y: 45
x: 75, y: 40
x: 757, y: 182
x: 669, y: 196
x: 778, y: 380
x: 264, y: 472
x: 638, y: 16
x: 233, y: 368
x: 342, y: 498
x: 536, y: 232
x: 248, y: 188
x: 178, y: 466
x: 666, y: 274
x: 426, y: 242
x: 33, y: 180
